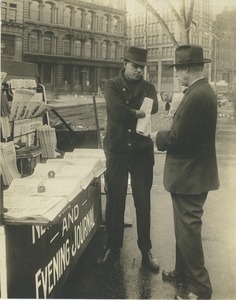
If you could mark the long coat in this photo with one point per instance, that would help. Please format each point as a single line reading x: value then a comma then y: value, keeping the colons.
x: 191, y: 165
x: 122, y: 100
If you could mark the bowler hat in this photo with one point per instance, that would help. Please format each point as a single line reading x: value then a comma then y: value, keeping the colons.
x: 136, y: 55
x: 188, y: 55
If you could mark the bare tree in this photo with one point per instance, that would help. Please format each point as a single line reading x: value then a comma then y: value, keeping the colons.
x: 184, y: 18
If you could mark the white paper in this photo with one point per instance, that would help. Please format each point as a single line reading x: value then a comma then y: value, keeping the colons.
x: 35, y: 207
x: 144, y: 124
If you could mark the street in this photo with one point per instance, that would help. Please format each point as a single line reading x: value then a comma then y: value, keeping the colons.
x: 127, y: 279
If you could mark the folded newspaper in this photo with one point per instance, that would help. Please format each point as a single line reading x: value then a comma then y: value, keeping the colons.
x: 144, y: 124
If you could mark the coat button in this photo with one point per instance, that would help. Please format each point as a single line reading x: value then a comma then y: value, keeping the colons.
x: 129, y: 130
x: 129, y: 144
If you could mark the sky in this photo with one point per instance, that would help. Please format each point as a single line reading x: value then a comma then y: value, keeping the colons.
x: 219, y: 5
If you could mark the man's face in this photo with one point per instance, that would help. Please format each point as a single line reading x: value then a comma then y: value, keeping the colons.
x: 133, y: 71
x: 182, y: 74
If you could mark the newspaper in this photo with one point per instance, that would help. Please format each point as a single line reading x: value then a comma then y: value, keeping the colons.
x: 47, y: 141
x: 19, y: 103
x: 39, y: 207
x: 144, y: 124
x: 8, y: 165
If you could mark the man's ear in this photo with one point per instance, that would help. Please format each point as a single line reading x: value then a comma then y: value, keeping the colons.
x: 124, y: 64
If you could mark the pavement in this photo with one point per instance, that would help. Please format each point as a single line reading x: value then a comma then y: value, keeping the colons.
x: 127, y: 279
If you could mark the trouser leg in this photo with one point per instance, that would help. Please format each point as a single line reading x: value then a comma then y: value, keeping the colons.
x: 188, y: 210
x: 116, y: 178
x: 141, y: 170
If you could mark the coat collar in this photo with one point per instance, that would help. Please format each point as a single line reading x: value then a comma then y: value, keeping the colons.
x: 192, y: 86
x: 189, y: 89
x: 138, y: 87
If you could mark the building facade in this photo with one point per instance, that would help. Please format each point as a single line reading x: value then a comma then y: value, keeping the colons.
x: 224, y: 64
x: 76, y: 44
x: 145, y: 30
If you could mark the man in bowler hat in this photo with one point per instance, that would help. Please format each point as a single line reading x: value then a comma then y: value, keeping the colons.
x: 190, y: 170
x: 128, y: 152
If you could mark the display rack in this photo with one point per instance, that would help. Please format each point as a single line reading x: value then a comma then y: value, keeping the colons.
x: 30, y: 249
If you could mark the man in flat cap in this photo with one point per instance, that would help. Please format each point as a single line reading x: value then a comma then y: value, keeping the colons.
x: 190, y: 170
x: 128, y: 152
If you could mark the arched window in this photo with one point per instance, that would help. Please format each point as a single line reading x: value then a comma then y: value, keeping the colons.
x: 68, y: 16
x: 88, y: 48
x: 115, y: 25
x: 105, y: 23
x: 78, y: 48
x: 105, y: 49
x: 47, y: 42
x: 114, y: 51
x: 78, y: 18
x: 89, y: 20
x: 34, y: 41
x: 34, y: 10
x: 47, y: 13
x: 67, y: 45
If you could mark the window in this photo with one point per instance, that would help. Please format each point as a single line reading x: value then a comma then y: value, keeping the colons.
x: 89, y: 21
x: 47, y: 13
x: 67, y: 17
x: 164, y: 38
x: 104, y: 50
x: 115, y: 26
x: 167, y: 73
x: 114, y: 51
x: 77, y: 48
x: 88, y: 48
x: 12, y: 12
x: 105, y: 23
x: 78, y: 18
x: 67, y: 45
x: 4, y: 11
x: 34, y: 41
x: 7, y: 45
x: 34, y: 11
x: 47, y: 42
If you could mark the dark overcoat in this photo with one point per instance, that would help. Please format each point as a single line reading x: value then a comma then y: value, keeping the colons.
x: 121, y: 101
x: 191, y: 165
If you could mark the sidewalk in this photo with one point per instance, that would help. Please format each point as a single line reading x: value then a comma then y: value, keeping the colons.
x: 128, y: 280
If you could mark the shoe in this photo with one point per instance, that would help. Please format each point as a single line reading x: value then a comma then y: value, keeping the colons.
x: 110, y: 255
x: 150, y: 262
x: 172, y: 276
x: 190, y: 296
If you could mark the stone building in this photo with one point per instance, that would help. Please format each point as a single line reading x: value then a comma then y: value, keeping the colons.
x: 224, y: 64
x: 76, y: 44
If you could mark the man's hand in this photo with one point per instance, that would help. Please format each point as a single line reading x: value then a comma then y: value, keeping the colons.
x: 153, y: 136
x: 140, y: 114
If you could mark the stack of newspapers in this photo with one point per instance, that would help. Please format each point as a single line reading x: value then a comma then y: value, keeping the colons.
x: 48, y: 141
x: 8, y: 167
x: 53, y: 185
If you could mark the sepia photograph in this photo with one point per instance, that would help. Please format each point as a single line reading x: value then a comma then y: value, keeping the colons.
x: 118, y: 149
